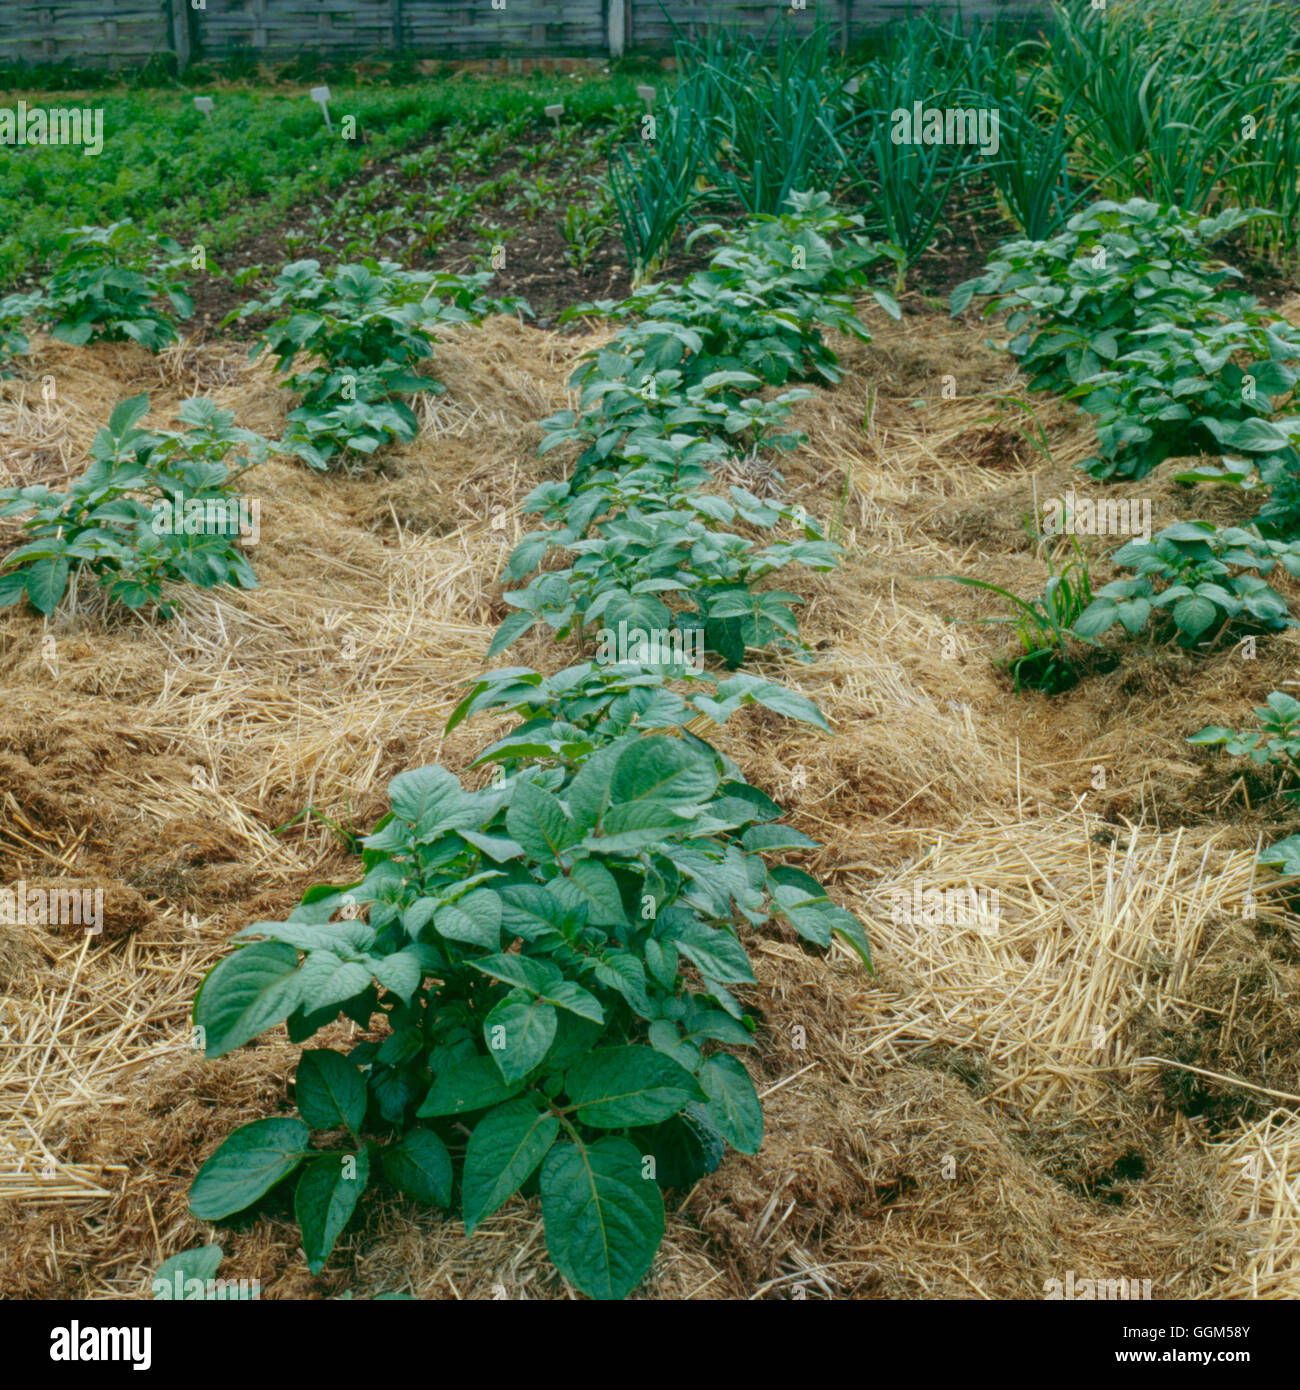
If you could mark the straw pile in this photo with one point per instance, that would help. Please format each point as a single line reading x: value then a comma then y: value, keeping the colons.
x: 1106, y: 1081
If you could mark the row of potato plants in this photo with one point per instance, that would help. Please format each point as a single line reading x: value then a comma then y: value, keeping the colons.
x: 555, y: 954
x: 162, y: 507
x: 1127, y: 312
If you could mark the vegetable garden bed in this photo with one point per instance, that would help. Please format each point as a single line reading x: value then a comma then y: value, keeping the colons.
x: 964, y: 948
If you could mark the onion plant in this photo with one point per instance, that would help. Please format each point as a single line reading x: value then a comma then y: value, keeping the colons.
x: 655, y: 187
x: 1193, y: 105
x: 906, y: 187
x: 775, y: 128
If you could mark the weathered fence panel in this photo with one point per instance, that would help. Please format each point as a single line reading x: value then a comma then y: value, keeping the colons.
x: 87, y: 32
x: 278, y: 28
x: 472, y: 28
x: 652, y: 23
x: 91, y: 32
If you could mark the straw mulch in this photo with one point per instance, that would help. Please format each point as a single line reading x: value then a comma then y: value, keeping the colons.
x: 1106, y: 1082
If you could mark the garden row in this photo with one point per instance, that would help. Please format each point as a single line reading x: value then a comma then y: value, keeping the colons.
x: 265, y: 160
x: 555, y: 953
x: 1126, y: 312
x: 433, y: 195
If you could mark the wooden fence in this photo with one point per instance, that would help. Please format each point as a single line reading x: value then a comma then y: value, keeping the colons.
x: 122, y: 32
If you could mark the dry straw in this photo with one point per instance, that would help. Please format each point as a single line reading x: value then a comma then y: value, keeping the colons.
x: 1106, y: 1082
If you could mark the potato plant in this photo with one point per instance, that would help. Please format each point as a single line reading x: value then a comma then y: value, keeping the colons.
x: 683, y: 378
x: 1126, y: 312
x: 639, y: 558
x: 1076, y: 298
x: 566, y: 715
x: 15, y: 309
x: 763, y: 302
x: 368, y: 325
x: 555, y: 956
x: 106, y: 284
x: 1276, y: 744
x: 1204, y: 579
x: 153, y: 507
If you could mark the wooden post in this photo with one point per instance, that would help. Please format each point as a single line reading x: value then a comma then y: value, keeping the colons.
x: 397, y: 26
x: 182, y: 42
x: 616, y: 19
